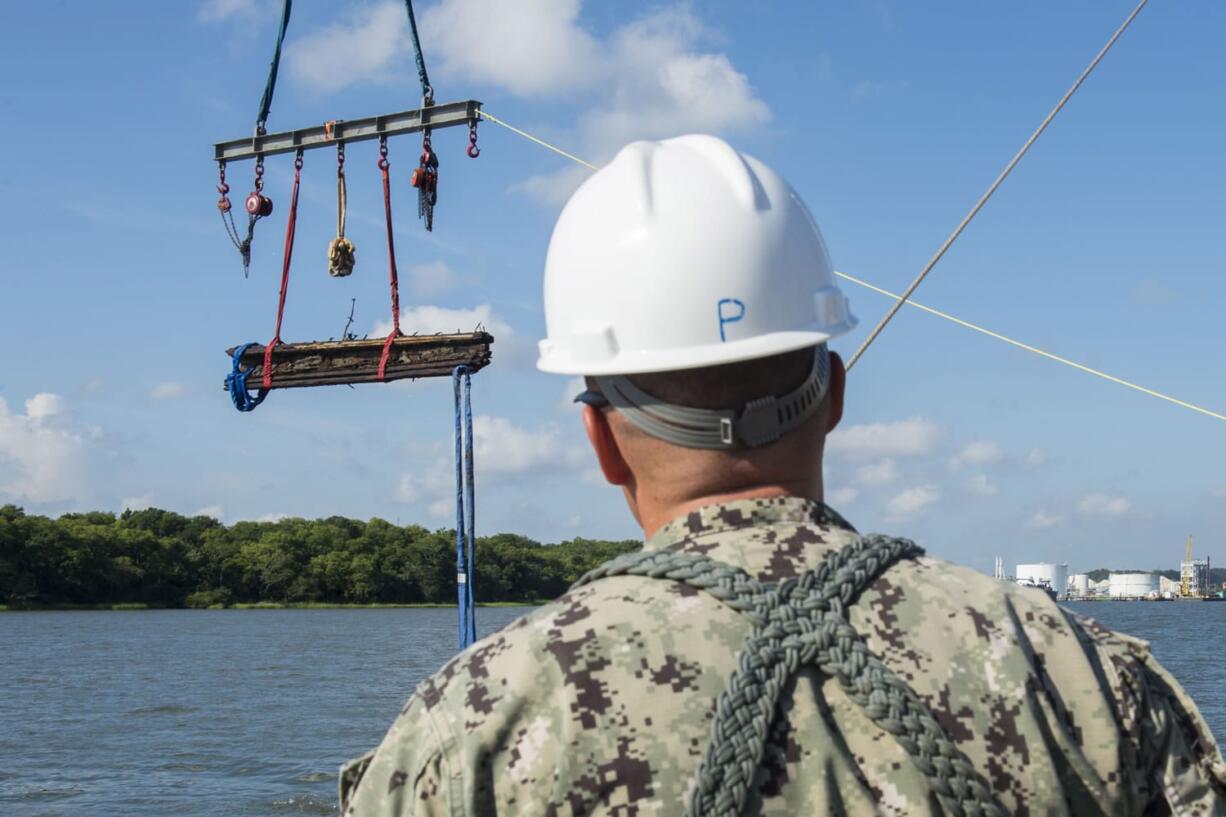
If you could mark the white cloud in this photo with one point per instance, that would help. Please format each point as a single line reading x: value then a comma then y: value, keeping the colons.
x: 842, y: 496
x: 215, y: 511
x: 1102, y: 505
x: 136, y: 503
x: 1042, y: 520
x: 979, y: 452
x: 648, y: 78
x: 407, y: 490
x: 432, y: 481
x: 216, y: 11
x: 428, y: 280
x: 442, y: 509
x: 168, y: 391
x: 42, y: 457
x: 1219, y: 491
x: 529, y: 47
x: 553, y: 188
x: 914, y: 437
x: 911, y: 501
x: 44, y: 405
x: 359, y: 49
x: 509, y: 348
x: 503, y: 447
x: 881, y: 473
x: 502, y: 450
x: 271, y: 517
x: 981, y: 485
x: 1036, y: 457
x: 661, y: 85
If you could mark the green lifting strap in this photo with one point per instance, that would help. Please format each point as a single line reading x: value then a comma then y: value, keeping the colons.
x: 270, y: 86
x: 803, y: 622
x: 427, y: 90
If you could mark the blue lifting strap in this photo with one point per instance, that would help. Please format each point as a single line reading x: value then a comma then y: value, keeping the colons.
x: 236, y: 383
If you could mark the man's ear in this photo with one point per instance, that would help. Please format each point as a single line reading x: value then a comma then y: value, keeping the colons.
x: 835, y: 391
x: 604, y: 444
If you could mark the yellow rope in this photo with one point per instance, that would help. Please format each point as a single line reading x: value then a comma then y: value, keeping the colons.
x: 486, y: 115
x: 1033, y: 349
x: 967, y: 324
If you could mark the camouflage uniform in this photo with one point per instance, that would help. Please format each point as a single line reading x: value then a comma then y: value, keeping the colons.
x: 601, y: 702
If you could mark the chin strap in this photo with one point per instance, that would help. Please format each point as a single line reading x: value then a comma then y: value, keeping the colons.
x: 760, y: 422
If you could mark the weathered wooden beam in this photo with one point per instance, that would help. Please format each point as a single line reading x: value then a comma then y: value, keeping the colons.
x: 335, y: 363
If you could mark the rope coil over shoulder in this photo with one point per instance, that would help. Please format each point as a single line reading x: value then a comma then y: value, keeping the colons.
x: 803, y: 622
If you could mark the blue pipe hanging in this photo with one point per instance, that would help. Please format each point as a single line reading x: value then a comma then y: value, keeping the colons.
x: 465, y: 505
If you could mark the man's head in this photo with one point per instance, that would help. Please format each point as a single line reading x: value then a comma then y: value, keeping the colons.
x: 692, y: 287
x: 654, y: 473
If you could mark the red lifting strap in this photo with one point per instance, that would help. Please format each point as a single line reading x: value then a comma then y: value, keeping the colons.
x: 285, y: 266
x: 391, y: 261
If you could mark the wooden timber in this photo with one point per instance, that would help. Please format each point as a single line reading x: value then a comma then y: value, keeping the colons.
x: 342, y: 362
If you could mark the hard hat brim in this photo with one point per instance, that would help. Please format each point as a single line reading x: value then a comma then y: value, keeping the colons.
x: 554, y: 360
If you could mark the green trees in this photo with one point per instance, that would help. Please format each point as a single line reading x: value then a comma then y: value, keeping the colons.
x: 161, y: 558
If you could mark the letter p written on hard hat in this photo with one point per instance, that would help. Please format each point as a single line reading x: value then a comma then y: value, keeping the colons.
x: 682, y: 254
x: 731, y: 310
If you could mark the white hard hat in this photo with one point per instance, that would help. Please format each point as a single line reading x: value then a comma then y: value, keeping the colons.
x: 680, y: 254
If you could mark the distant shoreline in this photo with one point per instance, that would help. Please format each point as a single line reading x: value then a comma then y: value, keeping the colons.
x: 259, y: 605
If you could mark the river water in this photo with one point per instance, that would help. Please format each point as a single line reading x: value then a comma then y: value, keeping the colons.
x: 249, y: 712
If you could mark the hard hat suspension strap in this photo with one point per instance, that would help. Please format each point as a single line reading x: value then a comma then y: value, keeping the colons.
x: 760, y: 422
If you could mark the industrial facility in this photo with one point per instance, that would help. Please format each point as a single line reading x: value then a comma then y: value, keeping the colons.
x: 1044, y: 574
x: 1195, y: 582
x: 1193, y: 574
x: 1133, y: 586
x: 1078, y: 586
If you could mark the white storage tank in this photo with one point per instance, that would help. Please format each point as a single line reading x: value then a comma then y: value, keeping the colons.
x: 1055, y: 575
x: 1133, y: 585
x: 1079, y: 585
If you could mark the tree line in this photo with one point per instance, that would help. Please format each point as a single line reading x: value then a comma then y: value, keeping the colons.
x: 164, y: 559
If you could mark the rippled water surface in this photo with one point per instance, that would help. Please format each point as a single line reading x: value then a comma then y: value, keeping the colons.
x: 1188, y: 637
x: 249, y: 712
x: 179, y: 713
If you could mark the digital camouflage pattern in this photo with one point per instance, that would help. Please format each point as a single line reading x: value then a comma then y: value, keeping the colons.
x: 600, y: 703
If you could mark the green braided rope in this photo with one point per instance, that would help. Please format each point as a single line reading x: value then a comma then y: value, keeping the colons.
x: 799, y: 622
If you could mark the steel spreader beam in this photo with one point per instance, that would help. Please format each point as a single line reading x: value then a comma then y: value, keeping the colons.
x: 341, y: 131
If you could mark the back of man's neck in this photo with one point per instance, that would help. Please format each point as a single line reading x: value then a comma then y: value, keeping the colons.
x: 655, y: 515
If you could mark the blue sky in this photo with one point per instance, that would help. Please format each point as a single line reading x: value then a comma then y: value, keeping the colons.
x: 121, y: 290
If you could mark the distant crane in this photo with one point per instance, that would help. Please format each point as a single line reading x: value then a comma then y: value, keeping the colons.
x: 1185, y: 571
x: 1194, y: 576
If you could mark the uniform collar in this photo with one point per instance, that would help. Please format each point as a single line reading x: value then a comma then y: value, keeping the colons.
x: 726, y: 517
